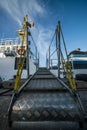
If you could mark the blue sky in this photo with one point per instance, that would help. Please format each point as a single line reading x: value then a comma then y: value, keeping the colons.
x: 45, y: 14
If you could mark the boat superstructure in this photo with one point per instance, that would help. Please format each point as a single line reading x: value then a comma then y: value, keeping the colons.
x: 78, y: 61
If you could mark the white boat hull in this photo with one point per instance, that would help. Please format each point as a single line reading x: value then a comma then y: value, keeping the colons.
x: 7, y: 70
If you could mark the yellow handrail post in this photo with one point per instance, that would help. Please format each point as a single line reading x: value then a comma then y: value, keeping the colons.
x: 70, y: 76
x: 24, y: 34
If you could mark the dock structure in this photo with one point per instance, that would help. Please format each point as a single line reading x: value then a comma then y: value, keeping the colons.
x: 44, y: 97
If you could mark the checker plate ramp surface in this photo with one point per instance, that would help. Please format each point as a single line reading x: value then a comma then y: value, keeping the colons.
x: 45, y: 99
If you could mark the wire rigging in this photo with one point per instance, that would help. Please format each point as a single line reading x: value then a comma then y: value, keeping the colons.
x: 33, y: 44
x: 52, y: 38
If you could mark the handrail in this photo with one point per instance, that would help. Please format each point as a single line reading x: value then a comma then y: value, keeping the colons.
x: 66, y: 65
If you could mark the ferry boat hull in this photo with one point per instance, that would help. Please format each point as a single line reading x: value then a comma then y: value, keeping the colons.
x: 8, y: 71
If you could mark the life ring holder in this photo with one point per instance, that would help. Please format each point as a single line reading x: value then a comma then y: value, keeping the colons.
x: 21, y: 51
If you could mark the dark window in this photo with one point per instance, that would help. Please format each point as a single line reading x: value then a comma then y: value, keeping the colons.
x: 17, y: 61
x: 80, y: 64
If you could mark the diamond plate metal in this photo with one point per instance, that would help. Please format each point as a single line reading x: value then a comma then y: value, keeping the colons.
x: 45, y: 105
x: 44, y: 84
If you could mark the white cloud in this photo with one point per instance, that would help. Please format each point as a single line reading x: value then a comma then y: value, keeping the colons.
x: 43, y: 40
x: 42, y: 36
x: 19, y: 8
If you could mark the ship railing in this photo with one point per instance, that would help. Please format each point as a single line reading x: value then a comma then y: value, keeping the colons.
x: 10, y: 41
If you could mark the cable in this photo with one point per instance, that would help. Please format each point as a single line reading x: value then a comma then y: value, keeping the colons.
x: 52, y: 38
x: 53, y: 52
x: 64, y: 43
x: 34, y: 44
x: 32, y: 38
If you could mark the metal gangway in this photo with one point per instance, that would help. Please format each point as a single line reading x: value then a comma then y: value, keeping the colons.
x: 44, y: 97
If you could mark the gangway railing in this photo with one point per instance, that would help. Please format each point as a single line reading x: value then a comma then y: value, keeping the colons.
x: 59, y: 52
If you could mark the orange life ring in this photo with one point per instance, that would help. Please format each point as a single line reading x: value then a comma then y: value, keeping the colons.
x: 21, y: 51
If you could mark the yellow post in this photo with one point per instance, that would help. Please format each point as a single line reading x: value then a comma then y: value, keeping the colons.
x: 21, y: 62
x: 70, y: 76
